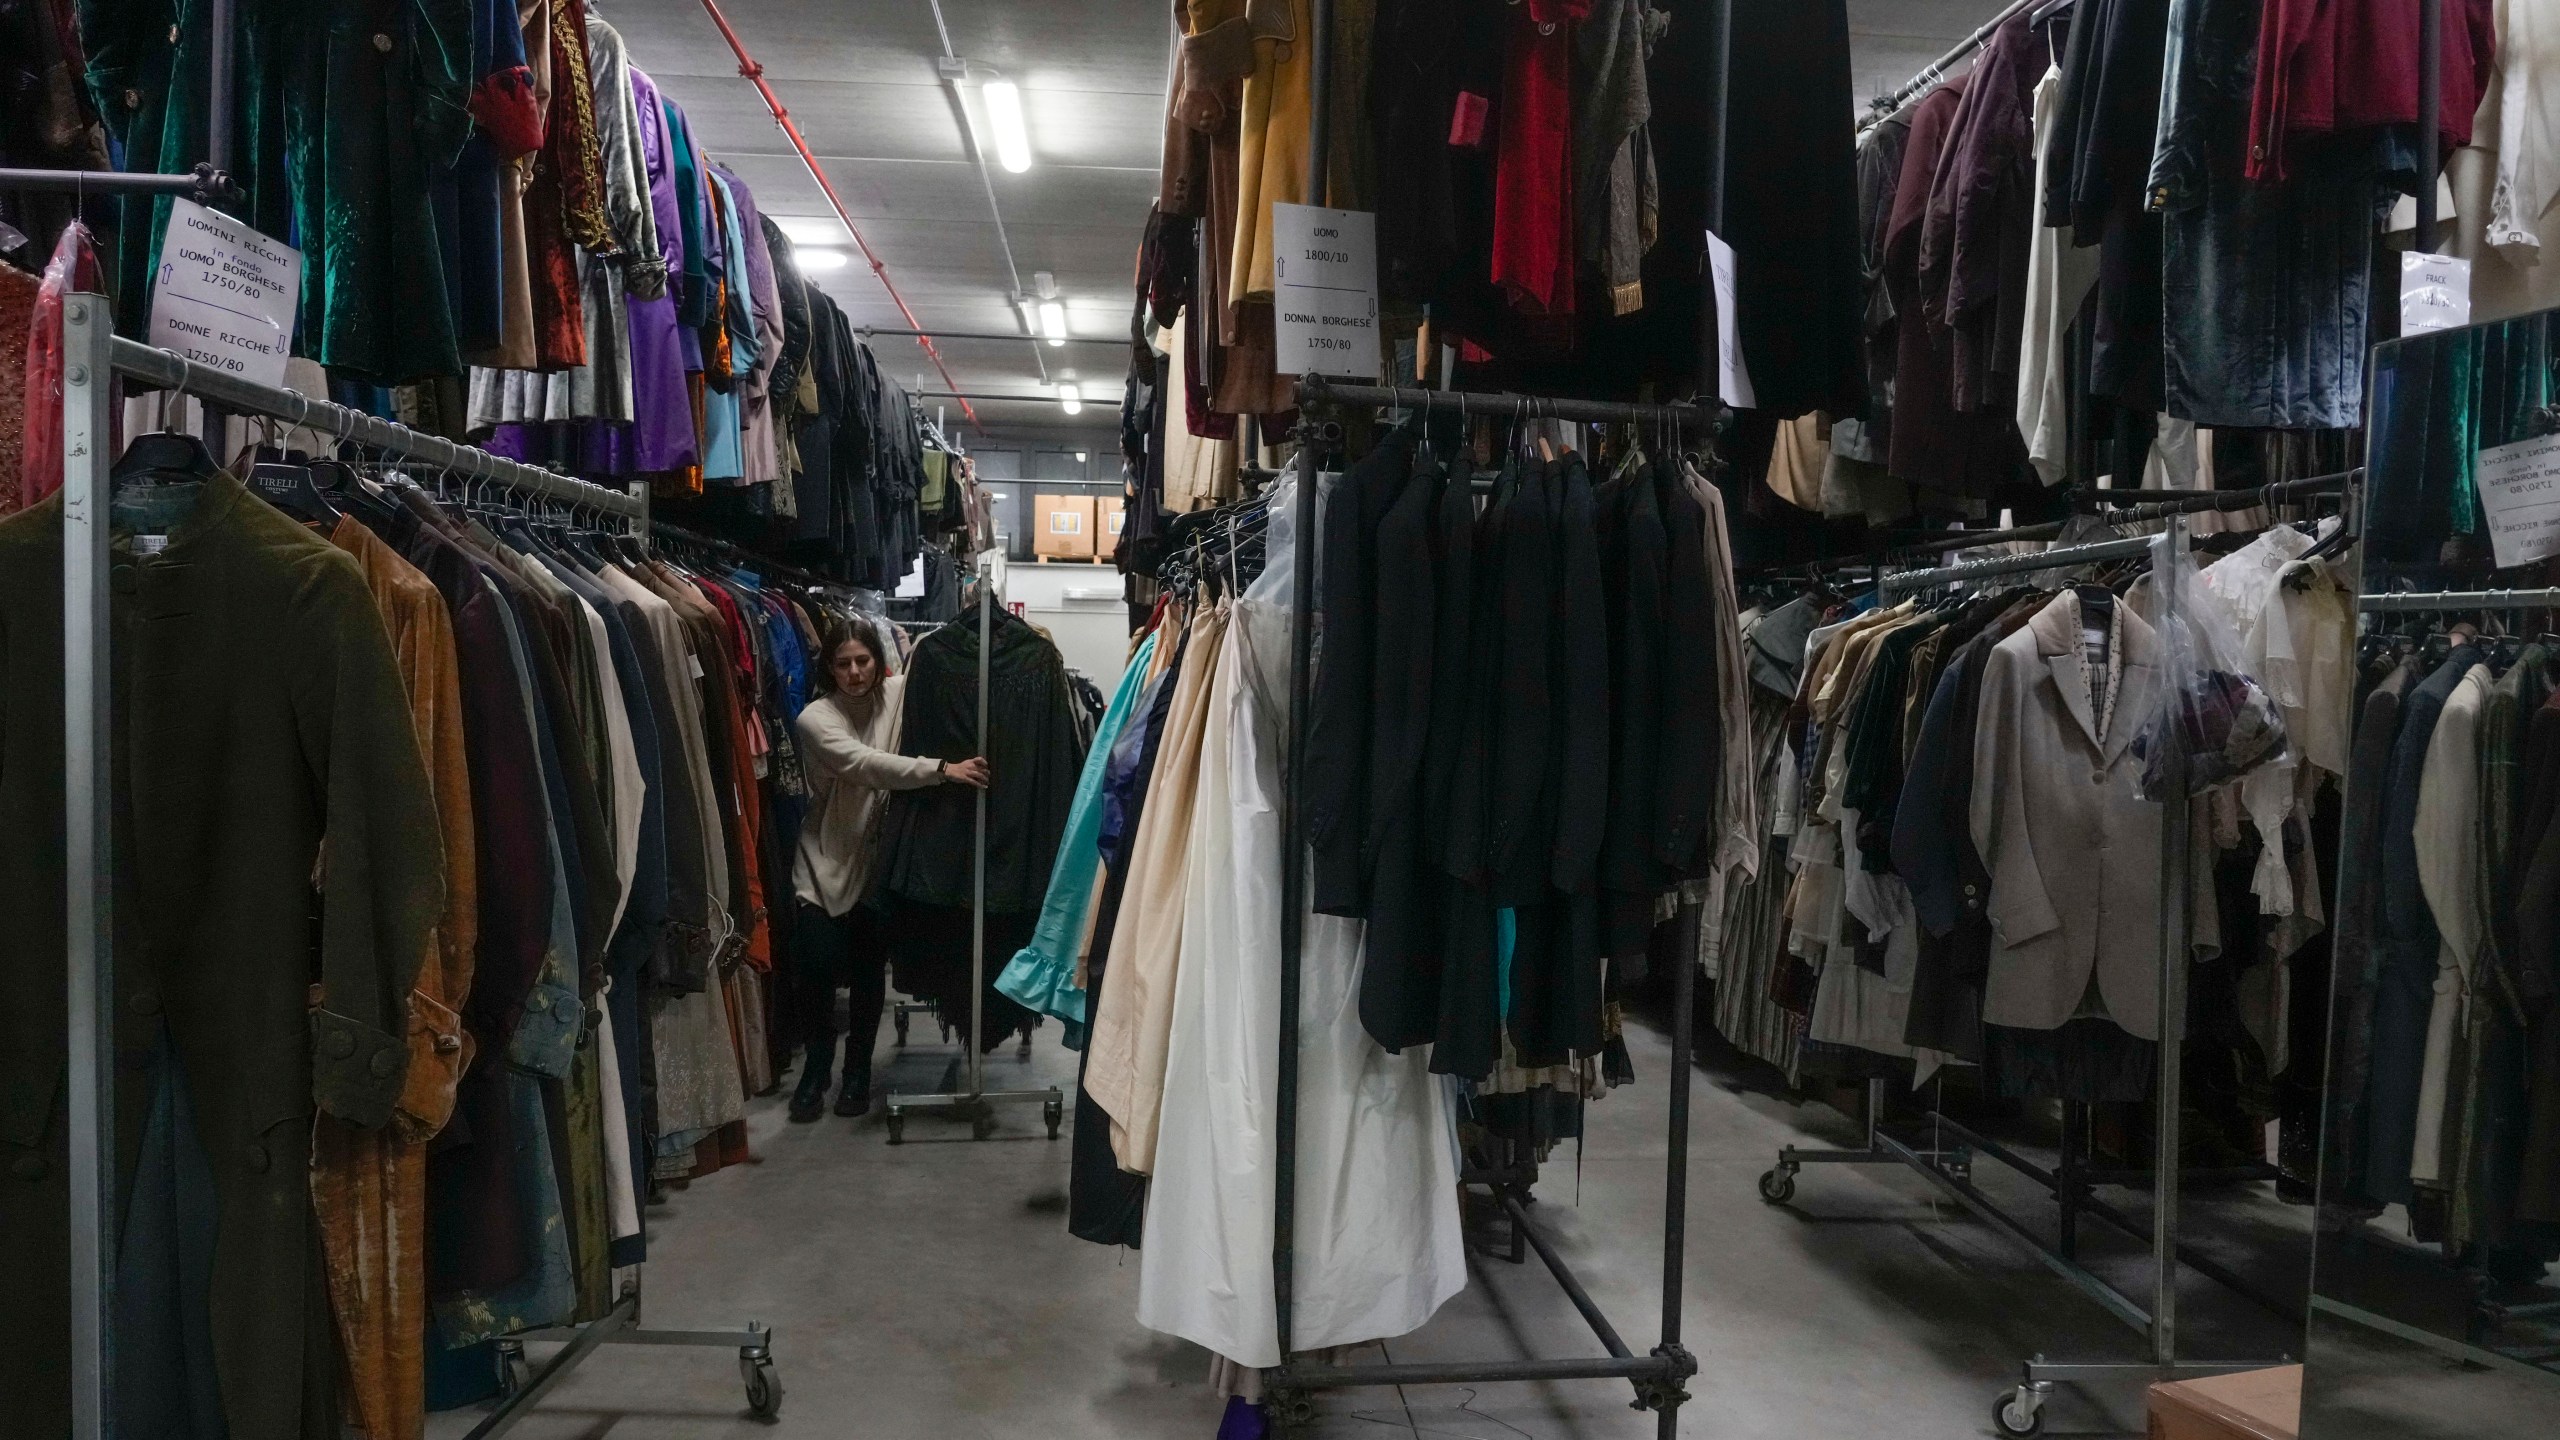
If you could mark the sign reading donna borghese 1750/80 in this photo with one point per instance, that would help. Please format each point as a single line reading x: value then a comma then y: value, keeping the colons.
x: 225, y: 295
x: 1325, y: 291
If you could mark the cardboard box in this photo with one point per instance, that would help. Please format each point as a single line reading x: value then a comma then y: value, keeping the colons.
x: 1062, y: 526
x: 1109, y: 514
x: 2251, y: 1405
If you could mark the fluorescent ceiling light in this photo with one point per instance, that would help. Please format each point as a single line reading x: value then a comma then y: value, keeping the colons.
x: 1080, y: 457
x: 1070, y: 399
x: 1053, y: 321
x: 1030, y: 314
x: 1004, y: 116
x: 814, y: 259
x: 812, y: 229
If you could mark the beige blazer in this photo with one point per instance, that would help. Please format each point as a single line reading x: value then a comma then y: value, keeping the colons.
x: 1124, y: 1064
x: 2073, y: 850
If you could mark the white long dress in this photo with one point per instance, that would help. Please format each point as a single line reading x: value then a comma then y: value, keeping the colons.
x: 1379, y: 1247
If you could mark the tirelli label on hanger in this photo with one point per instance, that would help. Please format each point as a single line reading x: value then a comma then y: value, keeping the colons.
x: 2520, y: 492
x: 1325, y: 291
x: 224, y: 295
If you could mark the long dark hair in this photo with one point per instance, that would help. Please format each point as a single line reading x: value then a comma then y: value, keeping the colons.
x: 837, y: 634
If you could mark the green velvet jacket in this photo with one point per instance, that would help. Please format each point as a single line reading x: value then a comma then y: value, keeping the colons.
x: 258, y: 713
x: 345, y: 115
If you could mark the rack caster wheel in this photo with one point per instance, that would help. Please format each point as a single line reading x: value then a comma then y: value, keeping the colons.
x: 981, y: 1126
x: 897, y: 1128
x: 1290, y: 1412
x: 1054, y: 1114
x: 1778, y: 1186
x: 764, y: 1388
x: 2019, y: 1412
x: 514, y: 1372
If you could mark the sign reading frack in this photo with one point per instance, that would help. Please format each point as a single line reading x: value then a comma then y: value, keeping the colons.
x: 1325, y: 291
x: 225, y: 295
x: 2520, y: 491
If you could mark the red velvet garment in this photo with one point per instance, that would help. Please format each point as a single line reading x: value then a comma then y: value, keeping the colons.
x: 1533, y: 175
x: 2331, y: 65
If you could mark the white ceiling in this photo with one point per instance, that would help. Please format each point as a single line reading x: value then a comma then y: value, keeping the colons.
x: 861, y: 79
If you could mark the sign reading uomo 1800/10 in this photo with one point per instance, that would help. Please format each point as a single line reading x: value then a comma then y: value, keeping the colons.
x: 225, y: 295
x: 1325, y: 291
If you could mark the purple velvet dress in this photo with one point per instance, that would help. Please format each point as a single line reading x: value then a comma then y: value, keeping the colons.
x: 660, y: 437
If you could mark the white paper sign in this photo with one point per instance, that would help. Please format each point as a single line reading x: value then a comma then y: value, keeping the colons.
x: 1733, y: 374
x: 225, y: 295
x: 2520, y: 491
x: 2435, y: 293
x: 1325, y: 291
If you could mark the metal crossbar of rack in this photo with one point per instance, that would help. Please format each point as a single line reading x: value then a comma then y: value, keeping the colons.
x: 2404, y: 602
x: 92, y: 356
x: 2019, y: 1411
x: 974, y: 1102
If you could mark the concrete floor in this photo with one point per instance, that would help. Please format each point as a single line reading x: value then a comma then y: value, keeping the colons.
x: 931, y: 1290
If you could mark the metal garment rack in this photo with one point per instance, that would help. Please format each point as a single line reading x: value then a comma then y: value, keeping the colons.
x: 976, y: 1103
x: 1659, y: 1377
x: 2020, y: 1410
x: 92, y: 356
x: 2486, y: 1316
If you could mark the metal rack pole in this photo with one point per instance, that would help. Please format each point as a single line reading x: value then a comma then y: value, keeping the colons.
x: 1313, y: 390
x: 88, y: 787
x: 167, y: 370
x: 202, y: 184
x: 2176, y: 859
x: 2432, y: 601
x: 978, y: 855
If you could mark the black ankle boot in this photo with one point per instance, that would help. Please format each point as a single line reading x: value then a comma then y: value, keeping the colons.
x: 855, y: 1098
x: 809, y: 1101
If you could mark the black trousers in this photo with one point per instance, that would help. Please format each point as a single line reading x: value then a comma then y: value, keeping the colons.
x: 832, y: 950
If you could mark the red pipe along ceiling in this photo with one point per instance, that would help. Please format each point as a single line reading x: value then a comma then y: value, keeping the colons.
x: 754, y: 73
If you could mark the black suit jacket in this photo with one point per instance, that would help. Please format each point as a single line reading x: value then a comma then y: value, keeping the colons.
x: 1337, y: 783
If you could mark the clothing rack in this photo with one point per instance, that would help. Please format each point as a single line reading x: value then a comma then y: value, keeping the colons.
x: 975, y: 1102
x: 93, y: 354
x: 2487, y: 1316
x: 1659, y: 1377
x: 2020, y: 1409
x: 1884, y: 106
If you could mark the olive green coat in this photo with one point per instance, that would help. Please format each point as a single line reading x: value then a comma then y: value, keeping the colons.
x: 258, y: 712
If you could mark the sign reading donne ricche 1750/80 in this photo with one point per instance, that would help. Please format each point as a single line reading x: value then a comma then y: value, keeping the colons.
x: 1325, y: 291
x: 225, y: 295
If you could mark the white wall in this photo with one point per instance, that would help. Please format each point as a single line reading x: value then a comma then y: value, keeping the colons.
x: 1081, y: 608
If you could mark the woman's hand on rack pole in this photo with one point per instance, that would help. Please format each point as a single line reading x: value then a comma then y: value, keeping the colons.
x: 971, y: 772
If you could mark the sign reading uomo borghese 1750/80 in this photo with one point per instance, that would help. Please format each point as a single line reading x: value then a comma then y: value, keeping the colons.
x: 1325, y: 291
x: 225, y: 295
